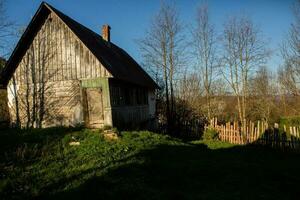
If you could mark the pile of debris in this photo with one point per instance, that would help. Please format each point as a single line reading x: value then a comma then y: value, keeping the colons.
x: 110, y: 134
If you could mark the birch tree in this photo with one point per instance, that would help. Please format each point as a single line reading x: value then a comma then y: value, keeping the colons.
x: 162, y: 49
x: 263, y: 93
x: 6, y: 30
x: 244, y: 49
x: 204, y: 43
x: 289, y: 74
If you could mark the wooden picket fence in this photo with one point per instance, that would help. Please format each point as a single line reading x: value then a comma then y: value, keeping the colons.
x: 260, y: 133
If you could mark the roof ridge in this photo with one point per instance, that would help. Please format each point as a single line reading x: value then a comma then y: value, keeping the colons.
x: 58, y: 11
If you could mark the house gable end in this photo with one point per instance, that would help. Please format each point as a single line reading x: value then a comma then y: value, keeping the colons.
x: 115, y: 60
x: 69, y: 55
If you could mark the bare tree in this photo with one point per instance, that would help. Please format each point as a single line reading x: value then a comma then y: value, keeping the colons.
x: 204, y: 40
x: 263, y: 95
x: 288, y: 77
x: 162, y: 49
x: 244, y: 50
x: 289, y: 90
x: 190, y: 91
x: 5, y: 34
x: 5, y: 30
x: 290, y: 73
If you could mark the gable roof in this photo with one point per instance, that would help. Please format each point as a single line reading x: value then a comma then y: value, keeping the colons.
x: 121, y: 65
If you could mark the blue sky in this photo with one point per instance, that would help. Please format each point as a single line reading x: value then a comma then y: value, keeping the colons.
x: 129, y: 19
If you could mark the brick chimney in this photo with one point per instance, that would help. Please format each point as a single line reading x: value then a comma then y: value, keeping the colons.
x: 106, y: 32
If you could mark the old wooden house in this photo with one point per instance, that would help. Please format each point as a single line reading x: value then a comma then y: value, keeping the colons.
x: 62, y: 73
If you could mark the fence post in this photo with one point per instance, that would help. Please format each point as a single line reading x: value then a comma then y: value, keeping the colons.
x: 283, y: 138
x: 297, y: 138
x: 291, y: 133
x: 228, y: 132
x: 232, y: 133
x: 294, y: 136
x: 258, y: 131
x: 276, y: 135
x: 255, y: 134
x: 224, y: 135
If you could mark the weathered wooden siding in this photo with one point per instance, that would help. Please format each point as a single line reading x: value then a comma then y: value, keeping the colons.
x: 65, y: 57
x: 64, y: 106
x: 130, y: 116
x: 58, y: 60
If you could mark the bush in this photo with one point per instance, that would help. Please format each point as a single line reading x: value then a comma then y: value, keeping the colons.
x: 210, y: 134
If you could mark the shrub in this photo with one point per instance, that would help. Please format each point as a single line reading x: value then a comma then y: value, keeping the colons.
x: 210, y: 134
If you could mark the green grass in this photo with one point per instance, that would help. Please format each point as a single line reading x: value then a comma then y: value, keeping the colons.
x: 140, y: 165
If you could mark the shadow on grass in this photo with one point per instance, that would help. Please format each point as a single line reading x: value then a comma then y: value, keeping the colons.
x: 11, y: 137
x: 21, y: 146
x: 194, y: 172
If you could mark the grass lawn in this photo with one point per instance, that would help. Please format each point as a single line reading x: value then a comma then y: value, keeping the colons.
x: 140, y: 165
